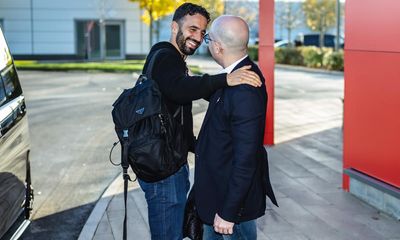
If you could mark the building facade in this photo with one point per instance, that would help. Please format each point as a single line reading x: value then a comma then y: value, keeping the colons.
x: 76, y: 29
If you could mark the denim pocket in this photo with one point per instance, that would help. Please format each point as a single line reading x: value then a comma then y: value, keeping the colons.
x: 150, y: 189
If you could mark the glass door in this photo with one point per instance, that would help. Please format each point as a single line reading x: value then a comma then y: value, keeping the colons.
x: 88, y: 39
x: 113, y: 40
x: 97, y: 41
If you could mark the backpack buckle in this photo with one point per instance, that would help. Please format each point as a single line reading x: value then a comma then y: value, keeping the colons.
x: 125, y: 131
x: 141, y: 79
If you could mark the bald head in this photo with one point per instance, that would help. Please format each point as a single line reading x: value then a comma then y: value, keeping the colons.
x: 232, y: 32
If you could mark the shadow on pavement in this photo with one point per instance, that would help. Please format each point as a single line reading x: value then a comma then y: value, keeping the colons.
x: 65, y: 225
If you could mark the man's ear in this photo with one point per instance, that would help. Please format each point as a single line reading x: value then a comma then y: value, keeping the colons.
x: 174, y: 27
x: 218, y: 49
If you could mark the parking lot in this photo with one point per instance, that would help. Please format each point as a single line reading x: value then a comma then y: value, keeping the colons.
x: 71, y: 133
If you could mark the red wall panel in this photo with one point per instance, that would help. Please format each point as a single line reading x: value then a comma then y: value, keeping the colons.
x: 266, y: 62
x: 372, y: 114
x: 373, y: 25
x: 372, y: 89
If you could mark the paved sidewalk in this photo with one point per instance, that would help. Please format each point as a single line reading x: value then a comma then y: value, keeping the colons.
x: 305, y: 169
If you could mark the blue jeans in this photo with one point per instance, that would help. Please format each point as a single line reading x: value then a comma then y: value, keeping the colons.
x: 166, y: 201
x: 243, y: 231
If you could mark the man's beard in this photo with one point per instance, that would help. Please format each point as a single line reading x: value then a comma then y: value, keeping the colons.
x: 181, y: 42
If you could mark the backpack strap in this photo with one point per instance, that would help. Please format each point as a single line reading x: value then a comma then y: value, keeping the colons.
x: 179, y: 110
x: 125, y: 165
x: 149, y: 71
x: 153, y: 58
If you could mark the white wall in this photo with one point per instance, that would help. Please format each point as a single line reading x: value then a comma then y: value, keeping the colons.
x: 16, y: 25
x: 54, y: 24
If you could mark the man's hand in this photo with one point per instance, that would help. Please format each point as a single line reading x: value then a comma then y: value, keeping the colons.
x: 222, y: 226
x: 243, y: 76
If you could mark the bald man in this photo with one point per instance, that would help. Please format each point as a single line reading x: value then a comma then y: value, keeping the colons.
x: 231, y: 173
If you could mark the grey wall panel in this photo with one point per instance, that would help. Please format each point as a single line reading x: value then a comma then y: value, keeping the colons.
x: 51, y: 27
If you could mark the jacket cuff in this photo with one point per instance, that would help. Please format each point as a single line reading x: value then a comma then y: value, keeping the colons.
x: 230, y: 216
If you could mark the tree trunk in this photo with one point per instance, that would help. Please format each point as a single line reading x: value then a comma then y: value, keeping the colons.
x: 321, y: 39
x: 151, y: 31
x: 337, y: 39
x: 158, y: 30
x: 289, y: 21
x: 322, y: 31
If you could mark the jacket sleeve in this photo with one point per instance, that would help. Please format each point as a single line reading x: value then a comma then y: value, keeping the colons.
x: 247, y: 116
x: 176, y: 86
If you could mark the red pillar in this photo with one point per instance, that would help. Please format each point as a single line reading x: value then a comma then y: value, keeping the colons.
x: 266, y: 61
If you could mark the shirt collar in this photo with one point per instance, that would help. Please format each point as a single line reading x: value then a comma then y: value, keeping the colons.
x: 233, y: 65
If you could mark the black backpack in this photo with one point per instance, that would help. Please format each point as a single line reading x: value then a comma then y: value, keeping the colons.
x: 151, y: 138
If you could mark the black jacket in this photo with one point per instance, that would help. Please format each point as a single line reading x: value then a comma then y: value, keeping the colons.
x: 178, y: 89
x: 231, y: 173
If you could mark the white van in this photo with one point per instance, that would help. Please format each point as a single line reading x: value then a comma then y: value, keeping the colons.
x: 16, y: 194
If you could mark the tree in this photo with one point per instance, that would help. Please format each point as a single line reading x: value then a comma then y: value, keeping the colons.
x: 248, y: 10
x: 214, y: 7
x: 288, y: 17
x: 154, y: 10
x: 320, y: 16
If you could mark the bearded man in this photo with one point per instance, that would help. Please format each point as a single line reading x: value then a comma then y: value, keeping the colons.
x: 166, y: 198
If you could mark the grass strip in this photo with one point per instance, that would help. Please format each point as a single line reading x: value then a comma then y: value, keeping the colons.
x: 107, y: 66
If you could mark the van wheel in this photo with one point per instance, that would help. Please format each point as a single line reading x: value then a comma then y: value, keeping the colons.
x: 29, y: 190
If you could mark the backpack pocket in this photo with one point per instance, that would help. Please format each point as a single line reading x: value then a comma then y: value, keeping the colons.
x: 152, y: 160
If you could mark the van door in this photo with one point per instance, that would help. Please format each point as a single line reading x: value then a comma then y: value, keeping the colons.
x: 14, y: 141
x: 13, y: 145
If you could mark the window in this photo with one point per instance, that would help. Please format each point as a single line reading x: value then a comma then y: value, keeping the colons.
x: 96, y: 42
x: 10, y: 81
x: 2, y: 94
x: 88, y: 39
x: 5, y: 56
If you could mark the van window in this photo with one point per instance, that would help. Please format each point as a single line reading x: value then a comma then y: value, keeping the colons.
x: 11, y: 82
x: 3, y: 97
x: 5, y: 56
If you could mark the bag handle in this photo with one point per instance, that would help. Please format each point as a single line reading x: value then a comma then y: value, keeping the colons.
x: 180, y: 109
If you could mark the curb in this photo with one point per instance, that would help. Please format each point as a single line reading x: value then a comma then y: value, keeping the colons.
x: 90, y: 227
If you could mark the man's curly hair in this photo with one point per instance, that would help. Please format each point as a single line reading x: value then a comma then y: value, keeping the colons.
x: 190, y: 9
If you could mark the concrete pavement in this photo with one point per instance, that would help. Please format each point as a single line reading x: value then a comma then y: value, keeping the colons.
x: 305, y: 169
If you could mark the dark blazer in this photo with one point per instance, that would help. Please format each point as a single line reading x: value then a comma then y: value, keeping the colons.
x: 231, y: 172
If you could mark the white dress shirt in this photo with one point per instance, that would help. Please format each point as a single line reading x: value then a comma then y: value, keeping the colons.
x: 232, y: 66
